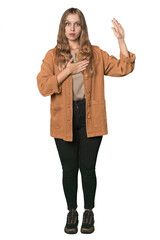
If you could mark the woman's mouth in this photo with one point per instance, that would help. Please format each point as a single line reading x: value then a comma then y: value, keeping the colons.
x: 72, y: 34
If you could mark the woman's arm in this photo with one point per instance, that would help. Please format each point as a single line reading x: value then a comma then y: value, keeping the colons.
x: 63, y: 75
x: 119, y: 33
x: 118, y: 67
x: 123, y: 47
x: 123, y: 66
x: 47, y: 81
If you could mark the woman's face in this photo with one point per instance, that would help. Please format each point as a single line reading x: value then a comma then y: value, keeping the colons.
x: 72, y: 26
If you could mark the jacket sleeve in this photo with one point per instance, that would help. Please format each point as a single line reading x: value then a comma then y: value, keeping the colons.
x: 118, y: 67
x: 47, y: 79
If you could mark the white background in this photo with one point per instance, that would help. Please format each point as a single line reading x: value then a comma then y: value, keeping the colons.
x: 32, y: 202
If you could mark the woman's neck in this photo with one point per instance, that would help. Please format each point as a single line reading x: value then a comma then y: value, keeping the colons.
x: 74, y: 48
x: 75, y: 51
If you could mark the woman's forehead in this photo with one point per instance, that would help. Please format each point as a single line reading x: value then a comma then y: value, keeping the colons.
x: 73, y: 18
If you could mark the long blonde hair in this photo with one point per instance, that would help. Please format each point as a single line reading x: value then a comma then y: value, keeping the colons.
x: 63, y: 54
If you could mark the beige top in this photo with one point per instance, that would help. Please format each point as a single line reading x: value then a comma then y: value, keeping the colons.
x: 78, y: 84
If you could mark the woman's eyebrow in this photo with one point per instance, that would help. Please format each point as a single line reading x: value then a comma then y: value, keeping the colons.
x: 69, y: 21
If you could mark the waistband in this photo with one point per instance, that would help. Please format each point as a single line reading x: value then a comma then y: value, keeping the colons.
x: 82, y: 100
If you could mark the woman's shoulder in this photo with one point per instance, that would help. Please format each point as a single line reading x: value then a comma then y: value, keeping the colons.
x: 52, y: 51
x: 50, y: 54
x: 96, y: 47
x: 96, y: 51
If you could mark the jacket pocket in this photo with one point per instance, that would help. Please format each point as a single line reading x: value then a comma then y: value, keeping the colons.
x: 98, y: 110
x: 56, y: 116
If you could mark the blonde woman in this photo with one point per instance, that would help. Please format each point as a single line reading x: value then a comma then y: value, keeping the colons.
x: 72, y: 73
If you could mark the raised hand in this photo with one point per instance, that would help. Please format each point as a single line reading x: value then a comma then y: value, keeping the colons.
x: 118, y: 29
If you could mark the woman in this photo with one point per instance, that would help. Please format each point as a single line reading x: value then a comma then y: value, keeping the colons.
x: 72, y: 73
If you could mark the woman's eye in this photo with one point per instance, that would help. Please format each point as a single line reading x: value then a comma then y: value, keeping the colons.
x: 76, y: 23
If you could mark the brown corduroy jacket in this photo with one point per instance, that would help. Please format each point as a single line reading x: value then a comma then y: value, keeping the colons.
x: 61, y: 105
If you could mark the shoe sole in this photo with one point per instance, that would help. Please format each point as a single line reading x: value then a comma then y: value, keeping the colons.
x: 87, y: 230
x: 71, y: 230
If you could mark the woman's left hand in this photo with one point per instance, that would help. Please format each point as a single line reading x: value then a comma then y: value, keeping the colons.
x: 118, y: 29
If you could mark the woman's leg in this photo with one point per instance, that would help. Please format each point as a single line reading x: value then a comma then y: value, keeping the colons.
x: 68, y: 153
x: 88, y: 150
x: 69, y: 161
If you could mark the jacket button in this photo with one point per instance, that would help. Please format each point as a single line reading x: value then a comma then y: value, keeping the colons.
x: 89, y: 116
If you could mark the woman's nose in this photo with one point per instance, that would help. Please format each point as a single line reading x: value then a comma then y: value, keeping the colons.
x: 72, y: 27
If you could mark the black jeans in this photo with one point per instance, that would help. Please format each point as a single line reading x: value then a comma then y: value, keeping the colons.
x: 79, y: 154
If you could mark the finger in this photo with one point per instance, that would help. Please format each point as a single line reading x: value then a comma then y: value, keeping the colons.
x: 71, y: 60
x: 115, y: 26
x: 84, y: 63
x: 114, y: 29
x: 82, y: 69
x: 116, y: 23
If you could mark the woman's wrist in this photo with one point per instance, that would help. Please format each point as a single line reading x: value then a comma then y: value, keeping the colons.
x: 68, y: 70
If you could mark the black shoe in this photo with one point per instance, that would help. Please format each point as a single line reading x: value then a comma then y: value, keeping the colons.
x: 88, y: 222
x: 72, y: 222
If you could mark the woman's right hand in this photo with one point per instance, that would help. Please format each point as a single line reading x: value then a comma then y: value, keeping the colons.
x: 76, y: 67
